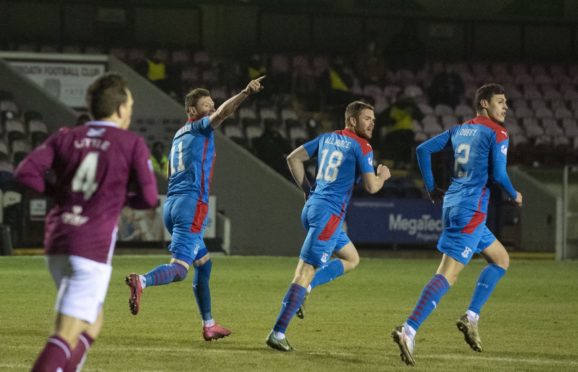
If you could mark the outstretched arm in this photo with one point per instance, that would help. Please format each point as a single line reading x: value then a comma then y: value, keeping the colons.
x: 295, y: 162
x: 228, y: 107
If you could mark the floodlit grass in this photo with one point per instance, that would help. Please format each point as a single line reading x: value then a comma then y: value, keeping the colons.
x: 529, y: 324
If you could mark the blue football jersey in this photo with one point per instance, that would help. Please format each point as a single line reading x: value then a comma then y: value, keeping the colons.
x: 191, y: 160
x: 480, y: 148
x: 342, y: 157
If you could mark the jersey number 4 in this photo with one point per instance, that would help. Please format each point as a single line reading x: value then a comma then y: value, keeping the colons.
x: 329, y: 168
x: 84, y: 178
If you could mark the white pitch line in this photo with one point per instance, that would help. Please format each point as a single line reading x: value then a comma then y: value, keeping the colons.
x: 499, y: 359
x: 109, y: 349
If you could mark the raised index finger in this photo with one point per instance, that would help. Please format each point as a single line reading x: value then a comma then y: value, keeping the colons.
x: 260, y: 78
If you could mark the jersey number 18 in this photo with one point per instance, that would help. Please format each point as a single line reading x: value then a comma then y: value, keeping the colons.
x: 329, y: 168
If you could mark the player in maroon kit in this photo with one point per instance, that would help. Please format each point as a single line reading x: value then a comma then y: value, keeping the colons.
x: 87, y: 171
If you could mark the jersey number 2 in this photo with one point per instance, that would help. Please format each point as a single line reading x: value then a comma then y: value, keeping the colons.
x: 462, y: 158
x: 329, y: 168
x: 84, y: 178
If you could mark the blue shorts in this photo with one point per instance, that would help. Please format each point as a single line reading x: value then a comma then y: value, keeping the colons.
x: 465, y: 233
x: 325, y: 235
x: 186, y: 218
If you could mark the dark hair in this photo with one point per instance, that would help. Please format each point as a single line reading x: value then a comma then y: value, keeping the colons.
x: 193, y: 97
x: 486, y: 92
x: 105, y: 95
x: 354, y: 109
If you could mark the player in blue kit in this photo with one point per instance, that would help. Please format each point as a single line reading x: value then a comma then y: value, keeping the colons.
x: 191, y: 162
x: 480, y: 147
x: 344, y: 157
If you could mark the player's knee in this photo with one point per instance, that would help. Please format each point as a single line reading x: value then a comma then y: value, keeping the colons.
x: 181, y: 272
x: 503, y: 262
x: 350, y: 263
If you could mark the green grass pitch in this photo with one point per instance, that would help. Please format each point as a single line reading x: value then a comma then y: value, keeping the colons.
x: 530, y: 323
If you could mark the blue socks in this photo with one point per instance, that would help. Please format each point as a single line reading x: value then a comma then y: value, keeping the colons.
x: 201, y: 289
x: 291, y: 302
x: 327, y: 273
x: 430, y: 297
x: 487, y: 281
x: 165, y: 274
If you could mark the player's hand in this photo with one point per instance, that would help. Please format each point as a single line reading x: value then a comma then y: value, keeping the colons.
x: 437, y: 195
x: 254, y: 86
x: 383, y: 172
x: 519, y: 199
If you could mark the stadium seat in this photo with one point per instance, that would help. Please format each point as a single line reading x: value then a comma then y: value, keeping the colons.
x: 280, y: 63
x: 532, y: 128
x: 120, y: 53
x: 180, y: 57
x: 431, y: 125
x: 20, y: 148
x: 544, y: 112
x: 442, y: 109
x: 4, y: 148
x: 38, y: 131
x: 233, y: 129
x: 320, y: 65
x: 268, y: 113
x: 512, y: 126
x: 9, y: 106
x: 551, y: 127
x: 391, y: 91
x: 253, y: 132
x: 202, y: 58
x: 464, y: 111
x: 297, y: 134
x: 425, y: 108
x: 14, y: 129
x: 413, y: 91
x: 449, y: 121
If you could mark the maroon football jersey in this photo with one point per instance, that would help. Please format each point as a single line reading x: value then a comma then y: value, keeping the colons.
x: 91, y: 172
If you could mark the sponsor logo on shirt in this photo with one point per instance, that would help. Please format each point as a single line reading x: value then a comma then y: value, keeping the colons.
x: 504, y: 150
x: 75, y: 218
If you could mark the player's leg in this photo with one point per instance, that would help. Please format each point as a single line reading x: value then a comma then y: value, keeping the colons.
x: 82, y: 284
x: 292, y: 300
x: 321, y: 237
x: 454, y: 243
x: 498, y: 262
x: 85, y: 341
x: 346, y: 259
x: 202, y: 291
x: 178, y: 214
